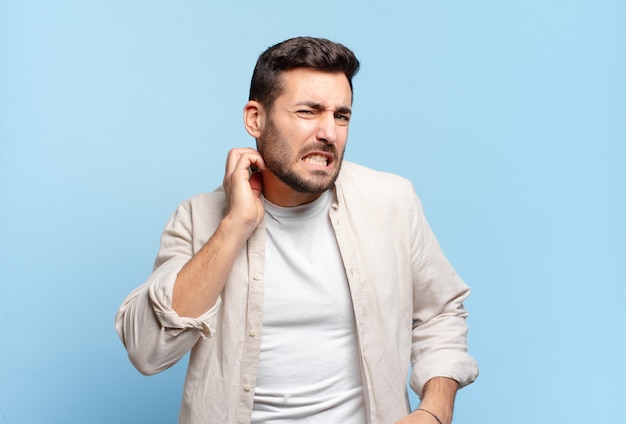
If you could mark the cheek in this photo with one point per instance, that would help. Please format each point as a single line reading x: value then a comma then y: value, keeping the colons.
x: 302, y: 133
x: 342, y: 138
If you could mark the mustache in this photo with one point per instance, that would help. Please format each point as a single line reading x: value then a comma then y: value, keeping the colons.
x: 319, y: 147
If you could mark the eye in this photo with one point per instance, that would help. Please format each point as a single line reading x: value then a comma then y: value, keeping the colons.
x: 342, y: 117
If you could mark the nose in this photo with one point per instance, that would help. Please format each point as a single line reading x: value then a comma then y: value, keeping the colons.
x: 327, y: 128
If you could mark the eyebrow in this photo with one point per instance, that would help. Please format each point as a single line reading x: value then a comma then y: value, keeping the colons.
x: 321, y: 107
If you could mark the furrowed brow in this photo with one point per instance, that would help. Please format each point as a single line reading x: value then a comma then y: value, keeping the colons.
x: 312, y: 105
x: 344, y: 110
x: 320, y: 107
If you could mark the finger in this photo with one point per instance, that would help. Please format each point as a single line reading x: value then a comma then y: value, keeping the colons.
x: 242, y: 159
x: 234, y: 155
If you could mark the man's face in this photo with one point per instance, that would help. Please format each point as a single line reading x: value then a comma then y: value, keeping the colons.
x: 305, y: 134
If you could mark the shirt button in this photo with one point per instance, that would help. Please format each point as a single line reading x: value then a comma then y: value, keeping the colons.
x: 252, y: 333
x: 247, y: 387
x: 256, y: 277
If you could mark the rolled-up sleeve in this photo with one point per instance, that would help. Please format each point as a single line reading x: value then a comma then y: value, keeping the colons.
x: 154, y: 335
x: 439, y: 340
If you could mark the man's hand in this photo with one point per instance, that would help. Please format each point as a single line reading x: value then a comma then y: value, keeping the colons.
x: 243, y: 188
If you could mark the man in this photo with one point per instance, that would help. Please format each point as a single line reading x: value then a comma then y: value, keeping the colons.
x: 304, y: 289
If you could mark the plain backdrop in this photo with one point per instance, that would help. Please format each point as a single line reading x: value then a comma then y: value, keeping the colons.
x: 508, y: 116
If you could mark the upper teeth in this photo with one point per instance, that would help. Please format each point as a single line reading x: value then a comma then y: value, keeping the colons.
x: 316, y: 160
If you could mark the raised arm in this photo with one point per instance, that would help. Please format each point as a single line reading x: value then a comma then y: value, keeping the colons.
x: 201, y: 280
x: 162, y: 320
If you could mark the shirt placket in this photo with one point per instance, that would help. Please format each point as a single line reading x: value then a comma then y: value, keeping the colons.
x: 254, y: 323
x: 349, y: 255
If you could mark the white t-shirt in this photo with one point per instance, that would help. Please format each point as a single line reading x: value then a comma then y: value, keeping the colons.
x: 309, y: 367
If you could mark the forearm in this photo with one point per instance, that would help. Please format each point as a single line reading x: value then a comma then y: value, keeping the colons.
x: 437, y: 403
x: 438, y: 397
x: 200, y: 282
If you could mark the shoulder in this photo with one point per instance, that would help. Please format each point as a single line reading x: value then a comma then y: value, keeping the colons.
x: 208, y: 199
x: 361, y: 179
x: 209, y: 206
x: 371, y: 197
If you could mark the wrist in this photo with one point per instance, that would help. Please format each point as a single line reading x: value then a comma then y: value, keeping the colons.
x: 438, y: 399
x: 432, y: 414
x: 235, y: 228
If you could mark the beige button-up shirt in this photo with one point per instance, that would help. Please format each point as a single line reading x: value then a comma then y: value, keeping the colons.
x: 407, y: 299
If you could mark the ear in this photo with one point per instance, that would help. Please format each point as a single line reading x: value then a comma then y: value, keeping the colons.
x: 254, y: 118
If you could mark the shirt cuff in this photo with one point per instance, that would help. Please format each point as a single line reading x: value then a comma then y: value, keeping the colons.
x: 161, y: 291
x: 458, y: 366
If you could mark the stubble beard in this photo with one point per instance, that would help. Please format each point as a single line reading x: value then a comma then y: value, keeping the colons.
x: 277, y: 155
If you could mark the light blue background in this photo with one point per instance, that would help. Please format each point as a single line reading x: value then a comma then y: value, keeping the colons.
x: 508, y: 116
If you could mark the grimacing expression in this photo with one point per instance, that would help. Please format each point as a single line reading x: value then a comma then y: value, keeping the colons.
x: 304, y: 135
x: 279, y: 157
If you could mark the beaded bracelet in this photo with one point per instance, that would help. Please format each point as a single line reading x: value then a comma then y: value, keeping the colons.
x: 428, y: 412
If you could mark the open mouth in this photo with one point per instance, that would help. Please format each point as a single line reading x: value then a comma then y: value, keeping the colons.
x: 317, y: 159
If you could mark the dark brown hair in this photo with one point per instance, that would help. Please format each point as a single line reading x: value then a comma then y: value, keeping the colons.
x: 299, y: 52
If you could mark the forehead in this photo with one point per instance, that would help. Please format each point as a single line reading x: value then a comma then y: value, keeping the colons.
x: 305, y: 84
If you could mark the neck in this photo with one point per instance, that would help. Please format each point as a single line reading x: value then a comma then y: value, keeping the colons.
x: 280, y: 194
